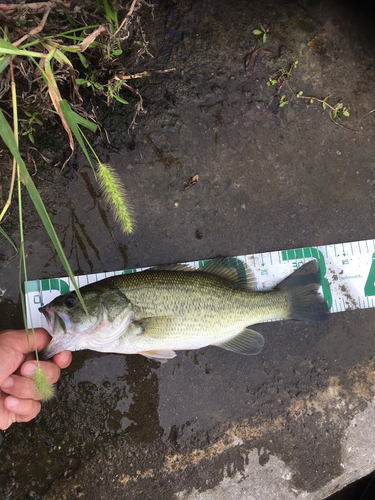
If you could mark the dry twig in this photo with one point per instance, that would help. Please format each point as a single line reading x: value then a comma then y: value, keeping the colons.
x: 34, y: 6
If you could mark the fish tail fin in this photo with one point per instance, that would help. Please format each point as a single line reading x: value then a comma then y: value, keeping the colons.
x: 306, y: 301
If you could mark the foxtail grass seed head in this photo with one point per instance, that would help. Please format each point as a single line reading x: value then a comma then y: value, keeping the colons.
x: 114, y: 194
x: 46, y: 390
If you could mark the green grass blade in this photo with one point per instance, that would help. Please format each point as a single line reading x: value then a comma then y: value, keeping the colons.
x: 8, y: 48
x: 8, y: 138
x: 119, y: 99
x: 85, y: 123
x: 75, y: 30
x: 22, y: 264
x: 83, y: 59
x: 4, y: 63
x: 108, y: 11
x: 70, y: 117
x: 23, y: 306
x: 10, y: 241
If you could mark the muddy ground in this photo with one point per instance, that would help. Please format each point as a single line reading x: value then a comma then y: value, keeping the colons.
x: 270, y: 178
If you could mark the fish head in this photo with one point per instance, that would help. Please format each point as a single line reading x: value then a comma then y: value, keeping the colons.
x: 107, y: 317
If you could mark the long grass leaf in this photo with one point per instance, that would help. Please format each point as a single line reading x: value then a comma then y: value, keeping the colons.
x: 8, y: 137
x: 10, y: 241
x: 22, y: 264
x: 54, y: 93
x: 23, y: 306
x: 61, y: 57
x: 9, y: 48
x: 85, y: 123
x: 72, y: 122
x: 4, y: 63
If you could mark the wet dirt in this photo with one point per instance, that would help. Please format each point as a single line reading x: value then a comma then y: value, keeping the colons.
x: 270, y: 178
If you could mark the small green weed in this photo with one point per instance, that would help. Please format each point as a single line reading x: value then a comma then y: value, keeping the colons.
x: 335, y: 110
x: 282, y: 76
x: 283, y: 102
x: 28, y: 125
x: 89, y: 81
x: 262, y: 32
x: 271, y: 81
x: 112, y: 18
x: 113, y: 90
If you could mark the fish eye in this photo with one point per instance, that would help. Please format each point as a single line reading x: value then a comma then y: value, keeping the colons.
x: 70, y: 301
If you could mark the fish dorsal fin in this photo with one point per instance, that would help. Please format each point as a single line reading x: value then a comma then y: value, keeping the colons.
x: 171, y: 267
x: 231, y: 269
x: 246, y: 342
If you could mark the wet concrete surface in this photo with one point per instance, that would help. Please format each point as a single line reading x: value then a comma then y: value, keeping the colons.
x: 270, y: 178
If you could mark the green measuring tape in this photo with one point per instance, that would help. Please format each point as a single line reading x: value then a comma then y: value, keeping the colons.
x: 348, y: 276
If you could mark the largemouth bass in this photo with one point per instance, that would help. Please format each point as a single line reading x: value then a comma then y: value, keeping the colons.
x: 161, y: 310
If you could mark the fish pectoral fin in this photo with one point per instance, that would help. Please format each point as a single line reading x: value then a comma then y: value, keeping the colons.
x: 246, y: 342
x: 137, y: 327
x: 161, y: 355
x: 154, y: 326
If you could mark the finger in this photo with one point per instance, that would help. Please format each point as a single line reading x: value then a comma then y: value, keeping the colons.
x: 19, y: 340
x: 23, y: 386
x: 63, y: 359
x: 20, y: 387
x: 24, y: 410
x: 14, y: 346
x: 50, y: 368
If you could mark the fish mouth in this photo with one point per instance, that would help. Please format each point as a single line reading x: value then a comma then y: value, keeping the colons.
x: 58, y: 326
x: 50, y: 316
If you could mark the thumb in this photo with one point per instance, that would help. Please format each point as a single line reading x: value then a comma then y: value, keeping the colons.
x: 14, y: 346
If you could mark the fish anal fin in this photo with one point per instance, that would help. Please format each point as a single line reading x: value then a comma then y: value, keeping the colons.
x: 161, y: 355
x: 246, y: 342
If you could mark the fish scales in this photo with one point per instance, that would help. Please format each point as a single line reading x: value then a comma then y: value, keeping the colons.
x: 198, y: 299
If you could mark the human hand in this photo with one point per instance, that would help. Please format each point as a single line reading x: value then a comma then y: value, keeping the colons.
x: 19, y: 398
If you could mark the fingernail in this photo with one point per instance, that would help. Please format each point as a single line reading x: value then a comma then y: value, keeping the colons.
x: 29, y: 369
x: 8, y: 383
x: 12, y: 402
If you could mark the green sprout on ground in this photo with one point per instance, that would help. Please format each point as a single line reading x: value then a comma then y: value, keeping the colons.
x: 271, y: 81
x: 28, y: 125
x: 338, y: 108
x: 89, y: 81
x: 283, y: 102
x: 335, y: 110
x: 113, y: 90
x: 262, y: 32
x: 111, y: 14
x: 282, y: 77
